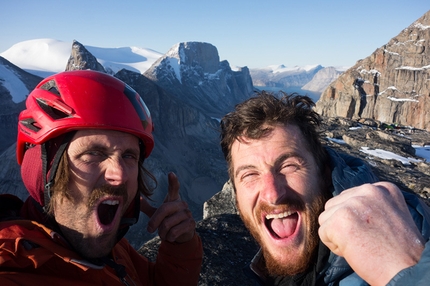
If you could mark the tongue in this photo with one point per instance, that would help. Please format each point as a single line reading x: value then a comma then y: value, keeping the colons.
x: 106, y: 213
x: 284, y: 227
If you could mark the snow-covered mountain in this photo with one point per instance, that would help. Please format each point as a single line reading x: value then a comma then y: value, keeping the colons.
x: 44, y: 57
x: 309, y: 79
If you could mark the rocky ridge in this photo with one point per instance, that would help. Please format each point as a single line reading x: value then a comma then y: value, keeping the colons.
x: 391, y: 85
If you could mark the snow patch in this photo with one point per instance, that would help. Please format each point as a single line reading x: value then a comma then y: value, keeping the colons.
x: 13, y: 84
x: 402, y: 99
x: 388, y: 155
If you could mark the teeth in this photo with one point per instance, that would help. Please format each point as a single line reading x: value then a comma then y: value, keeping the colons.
x: 280, y: 215
x: 110, y: 202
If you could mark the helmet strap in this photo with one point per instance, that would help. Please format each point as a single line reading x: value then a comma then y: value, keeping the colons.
x: 53, y: 170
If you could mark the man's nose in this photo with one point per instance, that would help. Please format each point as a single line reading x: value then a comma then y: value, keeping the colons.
x: 272, y: 189
x: 116, y: 172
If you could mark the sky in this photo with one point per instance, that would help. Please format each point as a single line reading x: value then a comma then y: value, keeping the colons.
x: 249, y: 33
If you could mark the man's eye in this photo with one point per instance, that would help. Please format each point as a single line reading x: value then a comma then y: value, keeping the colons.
x: 248, y: 176
x: 289, y: 168
x: 91, y: 156
x: 131, y: 157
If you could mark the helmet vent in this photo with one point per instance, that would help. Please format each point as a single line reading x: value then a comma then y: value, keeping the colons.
x: 51, y: 86
x: 53, y: 112
x: 31, y: 124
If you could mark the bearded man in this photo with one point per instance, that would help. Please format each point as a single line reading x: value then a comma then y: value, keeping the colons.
x: 310, y: 208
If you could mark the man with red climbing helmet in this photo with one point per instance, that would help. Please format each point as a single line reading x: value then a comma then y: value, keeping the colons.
x: 82, y: 140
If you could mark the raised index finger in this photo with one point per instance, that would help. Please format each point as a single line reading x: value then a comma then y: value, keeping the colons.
x: 173, y: 190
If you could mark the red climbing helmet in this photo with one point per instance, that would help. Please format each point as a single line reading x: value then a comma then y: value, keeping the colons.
x: 82, y: 99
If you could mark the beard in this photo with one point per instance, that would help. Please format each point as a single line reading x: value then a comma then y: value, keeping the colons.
x: 297, y: 263
x: 93, y: 247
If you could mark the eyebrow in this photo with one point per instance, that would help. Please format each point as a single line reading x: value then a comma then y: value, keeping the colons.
x: 241, y: 168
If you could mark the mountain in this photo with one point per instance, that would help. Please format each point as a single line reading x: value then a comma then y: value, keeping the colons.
x: 206, y: 83
x: 322, y: 79
x: 44, y: 57
x: 306, y: 80
x: 391, y: 85
x: 282, y: 76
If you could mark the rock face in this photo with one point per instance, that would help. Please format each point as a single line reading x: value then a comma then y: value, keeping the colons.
x: 205, y: 82
x: 391, y: 85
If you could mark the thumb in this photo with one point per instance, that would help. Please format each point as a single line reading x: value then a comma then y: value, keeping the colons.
x: 146, y: 208
x: 173, y: 190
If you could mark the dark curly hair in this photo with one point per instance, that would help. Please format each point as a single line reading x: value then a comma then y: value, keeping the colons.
x: 256, y: 117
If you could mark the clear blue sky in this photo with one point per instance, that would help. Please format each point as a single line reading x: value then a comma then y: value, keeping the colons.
x: 246, y: 33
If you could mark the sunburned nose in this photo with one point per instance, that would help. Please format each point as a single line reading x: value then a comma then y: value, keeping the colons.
x: 272, y: 189
x: 116, y: 172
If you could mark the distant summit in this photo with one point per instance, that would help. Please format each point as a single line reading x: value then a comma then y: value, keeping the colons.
x: 206, y: 82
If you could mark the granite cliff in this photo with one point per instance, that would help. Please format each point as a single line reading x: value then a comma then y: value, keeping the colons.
x: 391, y: 85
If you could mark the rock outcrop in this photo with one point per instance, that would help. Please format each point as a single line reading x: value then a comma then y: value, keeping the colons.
x: 391, y: 85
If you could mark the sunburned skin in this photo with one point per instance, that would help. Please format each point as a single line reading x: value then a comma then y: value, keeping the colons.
x: 279, y: 197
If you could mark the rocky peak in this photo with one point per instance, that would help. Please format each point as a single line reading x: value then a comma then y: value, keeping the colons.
x: 82, y: 59
x: 202, y: 56
x: 193, y: 73
x: 391, y: 85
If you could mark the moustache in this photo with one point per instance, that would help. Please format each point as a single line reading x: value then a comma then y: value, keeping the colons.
x: 286, y: 205
x: 108, y: 190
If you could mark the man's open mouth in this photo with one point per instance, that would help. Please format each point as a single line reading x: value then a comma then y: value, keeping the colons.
x: 106, y: 211
x: 282, y: 225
